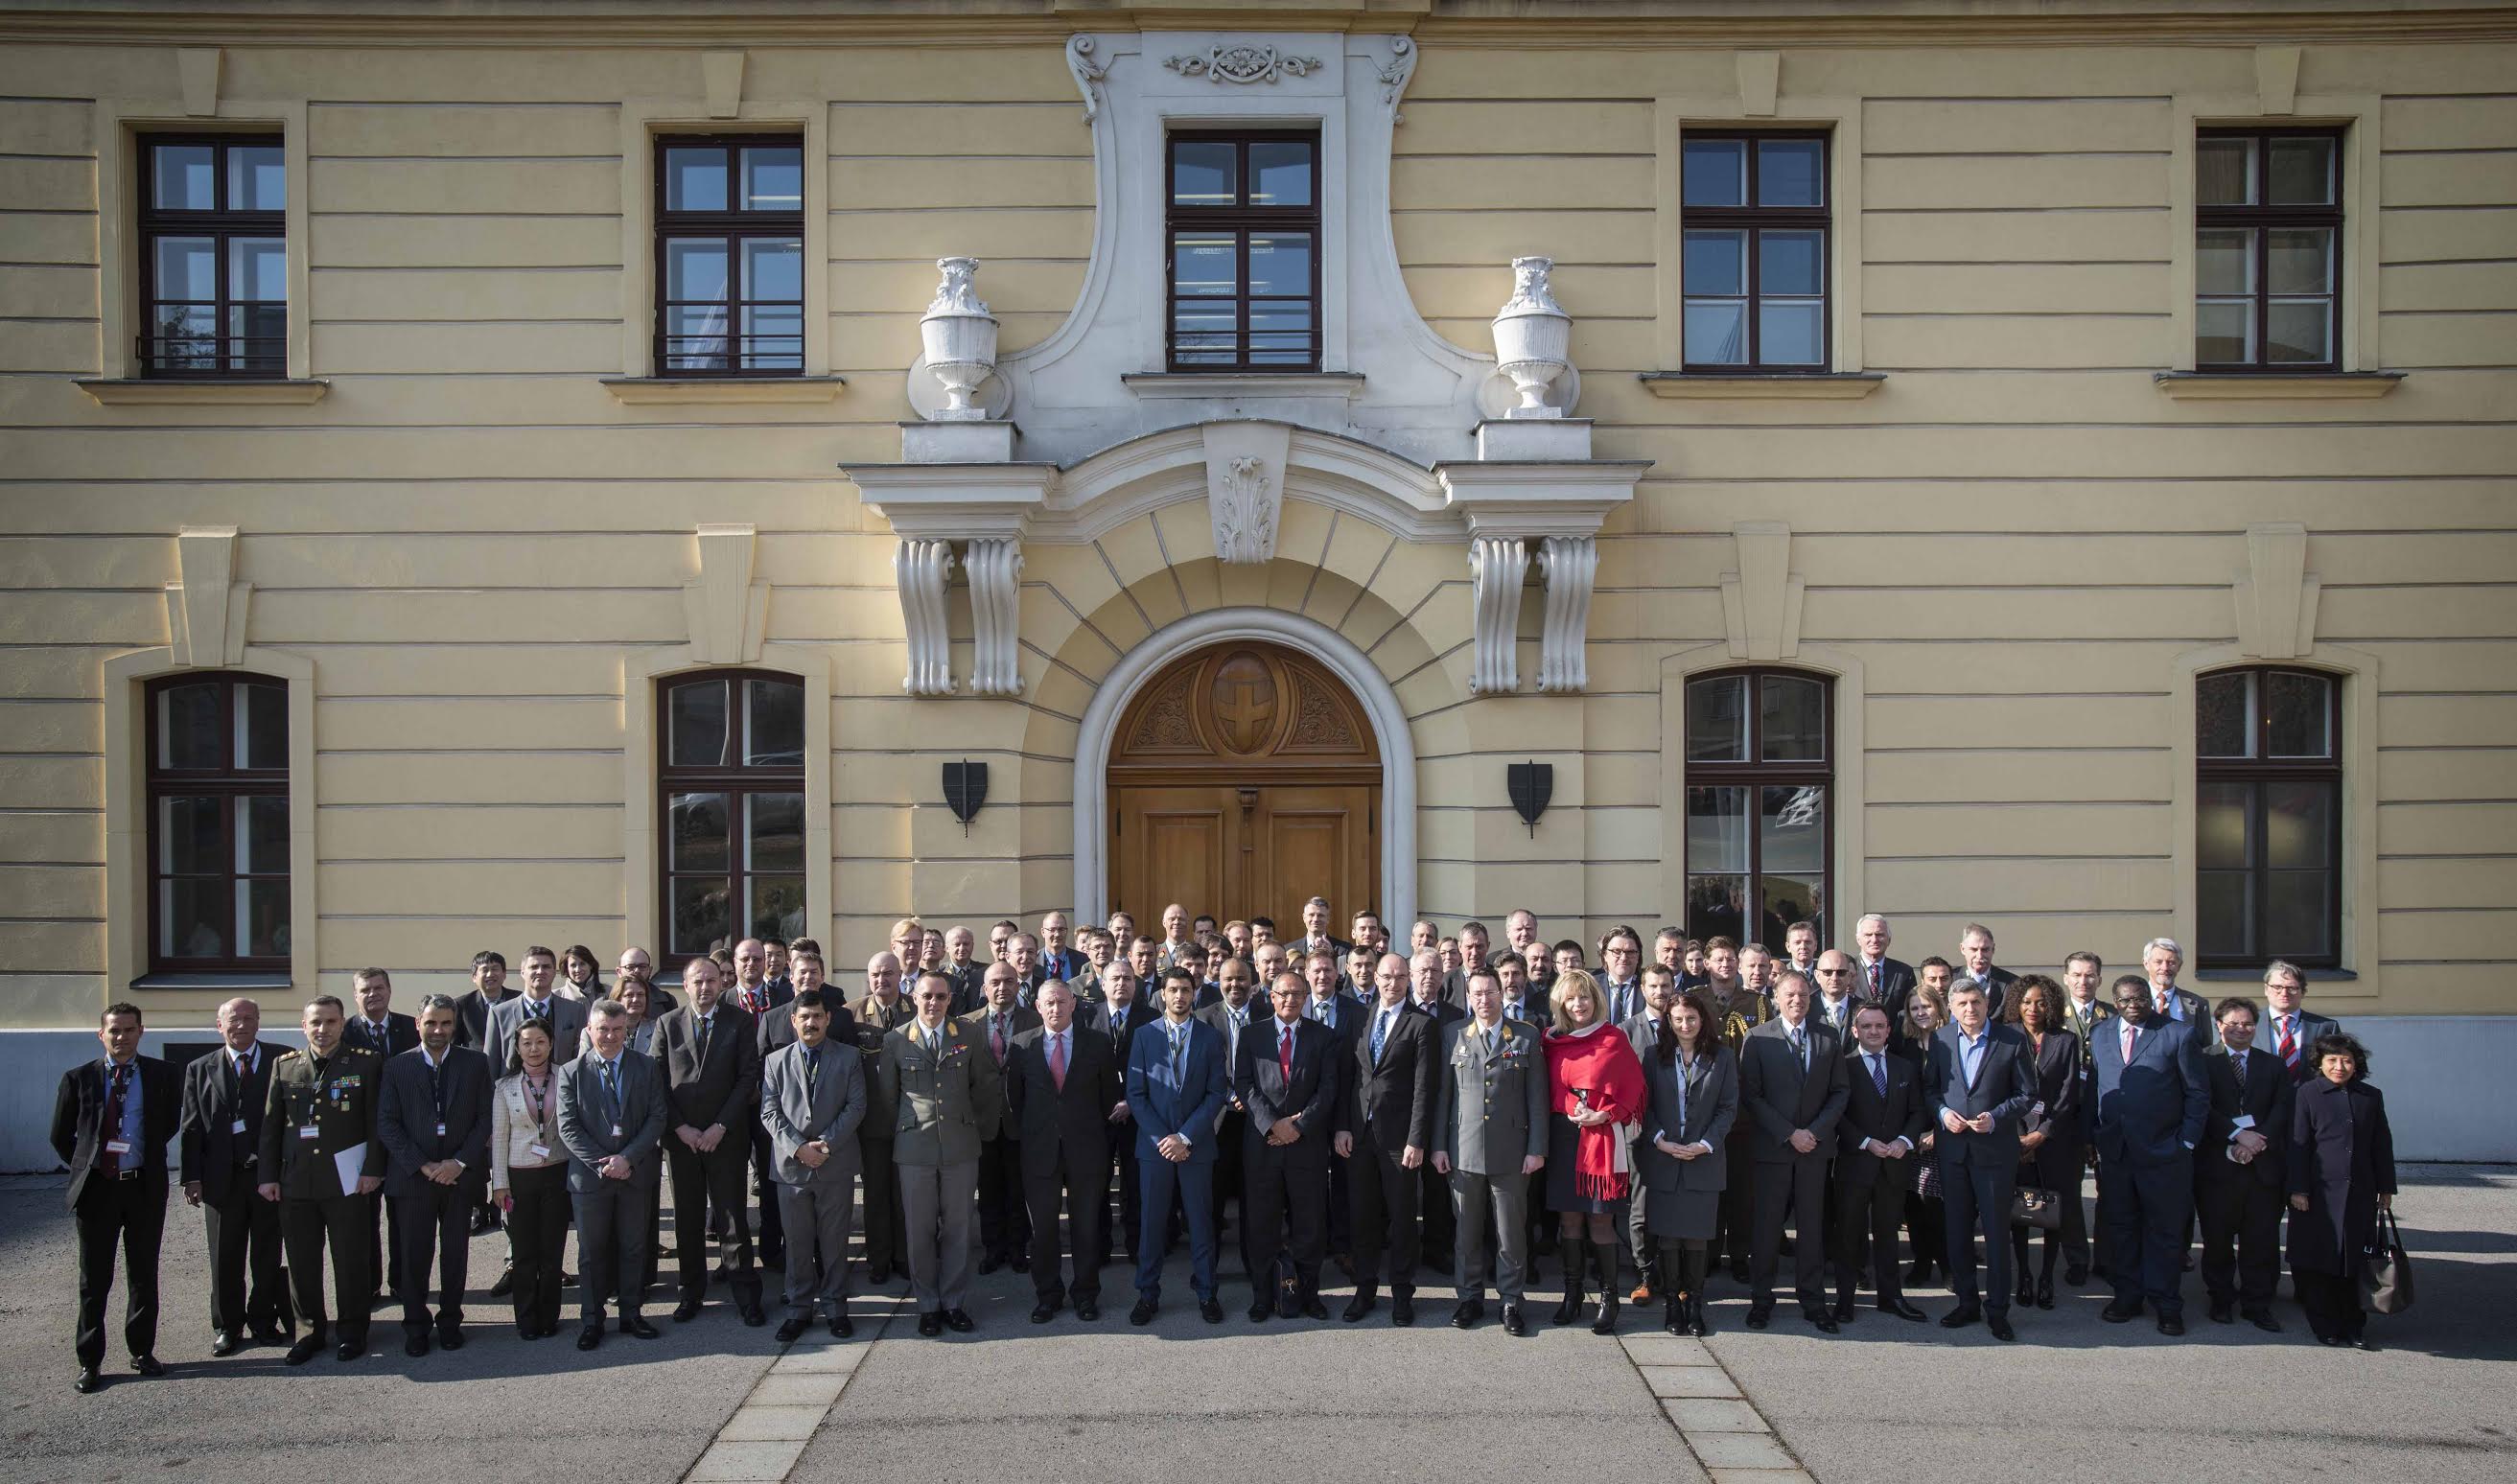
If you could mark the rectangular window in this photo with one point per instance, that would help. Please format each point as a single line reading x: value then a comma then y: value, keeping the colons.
x: 733, y: 786
x: 1759, y: 831
x: 730, y: 255
x: 1754, y: 259
x: 2268, y: 818
x: 1242, y: 251
x: 2268, y: 250
x: 218, y: 824
x: 213, y: 256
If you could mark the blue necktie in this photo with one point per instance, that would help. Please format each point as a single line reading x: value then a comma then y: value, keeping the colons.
x: 1879, y: 1074
x: 612, y: 1082
x: 1380, y: 1033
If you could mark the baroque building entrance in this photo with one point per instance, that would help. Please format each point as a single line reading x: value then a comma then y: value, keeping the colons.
x: 1244, y: 780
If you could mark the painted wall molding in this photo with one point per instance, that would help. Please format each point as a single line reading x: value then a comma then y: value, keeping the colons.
x: 2275, y: 595
x: 207, y: 606
x: 1761, y: 599
x: 727, y: 612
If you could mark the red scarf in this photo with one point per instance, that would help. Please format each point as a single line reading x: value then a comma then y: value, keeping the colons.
x: 1602, y: 1061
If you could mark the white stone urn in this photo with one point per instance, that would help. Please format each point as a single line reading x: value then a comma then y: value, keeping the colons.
x: 961, y: 340
x: 1532, y: 336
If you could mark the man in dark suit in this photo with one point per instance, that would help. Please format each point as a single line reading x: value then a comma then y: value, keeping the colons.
x: 2152, y: 1101
x: 224, y: 1093
x: 1234, y: 1010
x: 2162, y: 958
x: 2085, y: 1012
x: 433, y: 1118
x: 1005, y: 1226
x: 1125, y: 1008
x: 883, y: 1010
x: 710, y: 1055
x: 1316, y: 918
x: 1792, y: 1087
x: 1063, y: 1091
x: 565, y: 1018
x: 472, y: 1029
x: 322, y: 1161
x: 611, y: 1118
x: 1980, y: 1082
x: 1975, y: 962
x: 2289, y: 1031
x: 755, y: 993
x: 111, y: 1118
x: 1384, y: 1130
x: 2240, y: 1179
x: 1176, y: 1087
x: 805, y: 970
x: 381, y: 1028
x: 1875, y: 975
x: 1285, y: 1076
x: 1876, y: 1141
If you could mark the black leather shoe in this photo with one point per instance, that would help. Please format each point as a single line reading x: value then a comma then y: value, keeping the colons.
x: 2223, y: 1311
x: 2262, y: 1319
x: 1901, y: 1310
x: 1363, y: 1302
x: 450, y: 1339
x: 958, y: 1320
x: 2171, y: 1326
x: 1402, y: 1308
x: 1086, y: 1310
x: 148, y: 1365
x: 1210, y: 1309
x: 792, y: 1328
x: 1999, y: 1324
x: 1313, y: 1308
x: 304, y: 1349
x: 932, y: 1323
x: 637, y: 1328
x: 1760, y: 1315
x: 2074, y: 1275
x: 589, y: 1338
x: 273, y: 1334
x: 752, y: 1316
x: 1043, y: 1313
x: 1263, y: 1310
x: 224, y: 1343
x: 505, y: 1285
x: 90, y: 1379
x: 2361, y: 1343
x: 2120, y: 1313
x: 842, y: 1327
x: 1960, y: 1317
x: 686, y: 1311
x: 990, y: 1263
x: 1514, y: 1324
x: 415, y: 1345
x: 1143, y: 1313
x: 2025, y: 1294
x: 1824, y: 1321
x: 2045, y: 1293
x: 1844, y: 1311
x: 1469, y: 1312
x: 1020, y: 1263
x: 348, y: 1350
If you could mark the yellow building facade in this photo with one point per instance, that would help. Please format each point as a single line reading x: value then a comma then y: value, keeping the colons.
x: 2040, y: 465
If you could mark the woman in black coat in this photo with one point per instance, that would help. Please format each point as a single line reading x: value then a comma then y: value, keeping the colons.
x: 2341, y: 1174
x: 1927, y: 1009
x: 2049, y: 1144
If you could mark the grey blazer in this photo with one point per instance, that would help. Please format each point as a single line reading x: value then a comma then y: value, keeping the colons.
x: 588, y: 1117
x: 1712, y: 1107
x: 567, y: 1019
x: 831, y: 1107
x: 1490, y: 1108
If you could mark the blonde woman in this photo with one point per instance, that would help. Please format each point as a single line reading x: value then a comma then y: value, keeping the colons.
x: 1595, y: 1089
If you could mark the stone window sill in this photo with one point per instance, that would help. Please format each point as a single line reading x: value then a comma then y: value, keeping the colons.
x: 2315, y: 977
x: 1799, y: 386
x: 697, y: 391
x: 2227, y: 386
x: 1343, y: 385
x: 230, y: 983
x: 141, y: 392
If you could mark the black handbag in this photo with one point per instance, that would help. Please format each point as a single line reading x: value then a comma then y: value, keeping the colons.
x: 2034, y: 1208
x: 2386, y: 1273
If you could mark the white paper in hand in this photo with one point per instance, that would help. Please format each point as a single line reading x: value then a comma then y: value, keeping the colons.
x: 350, y: 1164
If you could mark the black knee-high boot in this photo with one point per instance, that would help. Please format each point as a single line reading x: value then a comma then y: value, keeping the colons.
x: 1678, y: 1289
x: 1571, y: 1252
x: 1604, y: 1254
x: 1697, y: 1260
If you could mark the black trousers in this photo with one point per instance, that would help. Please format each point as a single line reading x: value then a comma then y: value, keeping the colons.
x: 1386, y: 1200
x: 887, y: 1228
x: 1230, y: 1184
x: 1441, y: 1221
x: 1865, y: 1234
x: 2241, y: 1220
x: 244, y: 1234
x: 434, y: 1225
x: 1005, y: 1223
x: 129, y: 1215
x: 1123, y: 1138
x: 1737, y: 1219
x: 1341, y: 1223
x: 384, y: 1248
x: 346, y: 1225
x: 1079, y: 1183
x: 1279, y: 1196
x: 699, y: 1179
x: 2076, y: 1223
x: 1927, y: 1224
x: 1795, y: 1187
x: 538, y: 1243
x: 1976, y: 1197
x: 2146, y: 1206
x: 764, y: 1187
x: 2332, y: 1303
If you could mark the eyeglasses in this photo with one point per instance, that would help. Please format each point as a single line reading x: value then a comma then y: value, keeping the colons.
x: 1831, y: 973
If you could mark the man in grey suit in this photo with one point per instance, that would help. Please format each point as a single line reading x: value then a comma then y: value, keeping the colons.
x: 433, y: 1118
x: 612, y: 1122
x: 1792, y: 1087
x: 566, y: 1018
x: 1489, y: 1137
x: 812, y: 1101
x: 936, y: 1088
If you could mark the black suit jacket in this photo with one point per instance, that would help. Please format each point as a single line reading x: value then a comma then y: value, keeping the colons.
x: 402, y: 1032
x: 407, y: 1118
x: 1258, y: 1080
x: 1066, y: 1127
x: 214, y: 1153
x: 2005, y: 1086
x: 778, y: 1028
x: 2266, y: 1097
x: 78, y: 1117
x: 725, y: 1088
x: 1870, y: 1115
x: 1442, y: 1013
x: 1780, y: 1099
x: 1896, y: 982
x: 1390, y: 1104
x: 472, y: 1019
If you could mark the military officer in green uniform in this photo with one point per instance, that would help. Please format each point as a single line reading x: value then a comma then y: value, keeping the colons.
x: 319, y: 1138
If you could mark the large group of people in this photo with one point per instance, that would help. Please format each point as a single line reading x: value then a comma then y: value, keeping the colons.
x: 1462, y: 1106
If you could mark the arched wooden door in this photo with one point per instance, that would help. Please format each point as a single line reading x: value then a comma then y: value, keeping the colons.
x: 1245, y: 780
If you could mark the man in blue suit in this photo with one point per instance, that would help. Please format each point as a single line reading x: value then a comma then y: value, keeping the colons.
x: 1981, y: 1082
x: 1176, y: 1087
x: 2152, y: 1098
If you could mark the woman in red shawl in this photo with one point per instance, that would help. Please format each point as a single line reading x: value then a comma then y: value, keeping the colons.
x: 1595, y: 1086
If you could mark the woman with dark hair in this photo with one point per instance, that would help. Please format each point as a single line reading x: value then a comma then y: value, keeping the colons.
x: 2341, y: 1174
x: 1927, y: 1009
x: 529, y: 1180
x: 1693, y: 1081
x: 580, y: 977
x: 2049, y: 1139
x: 1595, y: 1085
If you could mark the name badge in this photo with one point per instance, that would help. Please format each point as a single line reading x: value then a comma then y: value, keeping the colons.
x: 538, y: 1151
x: 237, y: 1128
x: 118, y: 1145
x: 309, y: 1131
x: 440, y: 1130
x: 616, y: 1131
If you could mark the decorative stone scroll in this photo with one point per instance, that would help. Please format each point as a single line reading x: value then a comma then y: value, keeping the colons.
x: 994, y: 569
x: 1498, y: 565
x: 923, y: 567
x: 1242, y: 62
x: 1570, y: 566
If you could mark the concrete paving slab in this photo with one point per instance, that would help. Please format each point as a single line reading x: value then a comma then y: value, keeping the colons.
x: 752, y: 1423
x: 1693, y: 1416
x: 1741, y: 1450
x: 1689, y: 1380
x: 727, y: 1463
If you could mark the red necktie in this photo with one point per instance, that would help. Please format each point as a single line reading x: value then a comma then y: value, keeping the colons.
x: 1285, y: 1051
x: 2127, y: 1038
x: 997, y: 1037
x: 1057, y: 1061
x: 1875, y: 970
x: 2288, y: 1048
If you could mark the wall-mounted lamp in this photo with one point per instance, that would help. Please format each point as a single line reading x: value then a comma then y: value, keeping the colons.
x: 965, y: 788
x: 1531, y: 785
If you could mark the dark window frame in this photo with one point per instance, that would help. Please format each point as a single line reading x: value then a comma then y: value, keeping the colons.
x: 1241, y: 220
x: 221, y: 225
x: 228, y: 782
x: 730, y: 226
x: 2255, y: 773
x: 1755, y: 775
x: 736, y: 780
x: 1755, y: 219
x: 2264, y: 219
